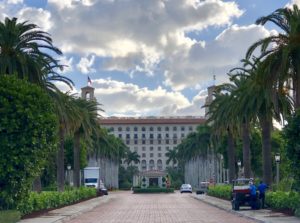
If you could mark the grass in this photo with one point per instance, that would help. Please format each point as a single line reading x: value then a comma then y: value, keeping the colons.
x: 9, y: 216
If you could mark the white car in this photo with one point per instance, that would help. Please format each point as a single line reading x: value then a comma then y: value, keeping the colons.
x: 186, y: 188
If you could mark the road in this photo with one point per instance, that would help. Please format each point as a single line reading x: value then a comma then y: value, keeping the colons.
x: 126, y: 207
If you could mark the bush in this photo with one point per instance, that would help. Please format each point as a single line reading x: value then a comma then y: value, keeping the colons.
x: 54, y: 199
x: 9, y: 216
x: 28, y: 132
x: 283, y: 200
x: 220, y: 191
x: 125, y: 185
x: 153, y: 190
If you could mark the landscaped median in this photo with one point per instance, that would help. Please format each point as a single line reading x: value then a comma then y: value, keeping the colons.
x: 220, y: 191
x: 152, y: 190
x: 53, y: 199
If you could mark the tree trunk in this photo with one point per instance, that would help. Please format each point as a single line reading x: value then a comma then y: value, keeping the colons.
x: 37, y: 184
x: 231, y: 156
x: 266, y: 125
x: 76, y: 152
x: 60, y: 161
x: 246, y: 150
x: 296, y: 86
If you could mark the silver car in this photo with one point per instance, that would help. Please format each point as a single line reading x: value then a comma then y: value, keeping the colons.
x: 186, y: 188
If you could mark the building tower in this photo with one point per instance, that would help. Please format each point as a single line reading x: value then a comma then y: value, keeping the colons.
x: 209, y: 98
x: 88, y: 93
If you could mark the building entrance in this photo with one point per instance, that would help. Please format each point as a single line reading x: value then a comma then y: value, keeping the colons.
x: 153, y: 182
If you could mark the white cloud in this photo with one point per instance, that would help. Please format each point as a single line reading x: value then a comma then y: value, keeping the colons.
x: 85, y: 65
x: 291, y: 3
x: 125, y: 98
x: 14, y: 1
x: 68, y: 64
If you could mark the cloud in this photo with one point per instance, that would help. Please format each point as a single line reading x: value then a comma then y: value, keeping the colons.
x: 291, y: 3
x: 85, y: 65
x: 197, y: 65
x: 129, y: 99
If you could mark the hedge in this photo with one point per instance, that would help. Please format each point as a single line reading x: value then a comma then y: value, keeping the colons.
x: 280, y: 200
x: 153, y: 190
x: 53, y: 199
x: 9, y: 216
x: 220, y: 191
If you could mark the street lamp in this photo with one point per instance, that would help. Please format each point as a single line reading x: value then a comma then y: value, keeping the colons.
x: 69, y: 173
x: 277, y: 160
x: 239, y: 163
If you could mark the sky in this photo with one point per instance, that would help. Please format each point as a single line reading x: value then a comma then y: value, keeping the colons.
x: 148, y: 57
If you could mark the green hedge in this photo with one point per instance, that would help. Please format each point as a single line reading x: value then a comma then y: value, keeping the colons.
x: 220, y: 191
x: 153, y: 190
x: 9, y: 216
x: 54, y: 199
x: 280, y: 200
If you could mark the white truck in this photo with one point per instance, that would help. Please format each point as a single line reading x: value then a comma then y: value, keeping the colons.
x: 92, y: 179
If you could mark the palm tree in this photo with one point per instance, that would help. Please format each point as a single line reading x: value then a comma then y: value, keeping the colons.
x: 87, y: 125
x: 132, y: 157
x: 172, y: 156
x: 282, y: 51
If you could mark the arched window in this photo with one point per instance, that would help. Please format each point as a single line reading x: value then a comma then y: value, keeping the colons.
x: 151, y: 165
x: 120, y: 129
x: 159, y: 164
x: 151, y: 129
x: 144, y: 164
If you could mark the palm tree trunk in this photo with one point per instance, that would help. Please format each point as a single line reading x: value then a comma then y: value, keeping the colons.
x: 60, y: 172
x: 231, y: 156
x: 296, y: 83
x: 266, y: 125
x: 246, y: 150
x: 76, y: 152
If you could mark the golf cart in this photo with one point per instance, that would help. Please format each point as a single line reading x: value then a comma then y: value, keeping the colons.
x: 241, y: 194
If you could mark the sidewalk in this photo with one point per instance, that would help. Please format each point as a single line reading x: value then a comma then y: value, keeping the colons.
x: 262, y: 216
x: 69, y: 212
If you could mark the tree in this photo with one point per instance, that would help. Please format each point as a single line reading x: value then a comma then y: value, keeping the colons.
x: 132, y: 157
x: 282, y: 51
x: 172, y: 156
x: 28, y: 130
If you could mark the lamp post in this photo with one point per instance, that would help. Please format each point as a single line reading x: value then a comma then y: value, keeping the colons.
x: 277, y: 160
x: 69, y: 173
x: 239, y: 163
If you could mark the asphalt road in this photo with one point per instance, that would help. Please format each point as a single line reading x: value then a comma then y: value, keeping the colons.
x: 151, y: 208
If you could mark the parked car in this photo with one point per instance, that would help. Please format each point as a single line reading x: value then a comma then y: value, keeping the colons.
x: 203, y: 187
x: 186, y: 188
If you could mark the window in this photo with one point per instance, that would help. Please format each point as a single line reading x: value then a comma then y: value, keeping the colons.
x: 159, y: 154
x: 151, y: 141
x: 151, y: 148
x: 120, y: 136
x: 159, y: 148
x: 159, y: 136
x: 175, y: 136
x: 144, y: 164
x: 143, y: 154
x: 143, y: 136
x: 159, y: 165
x: 167, y: 148
x: 135, y: 136
x: 175, y: 128
x: 167, y: 141
x: 151, y: 154
x: 151, y: 129
x: 174, y: 141
x: 143, y: 129
x: 143, y: 142
x: 151, y: 136
x: 191, y: 128
x: 127, y: 136
x: 159, y: 129
x: 182, y: 135
x: 127, y: 129
x: 166, y: 128
x: 167, y: 135
x: 135, y: 129
x: 127, y: 142
x: 144, y: 148
x: 135, y: 142
x: 120, y: 129
x: 111, y: 129
x: 182, y: 128
x: 151, y: 164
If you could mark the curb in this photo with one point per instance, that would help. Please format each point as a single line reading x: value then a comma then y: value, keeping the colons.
x: 227, y: 210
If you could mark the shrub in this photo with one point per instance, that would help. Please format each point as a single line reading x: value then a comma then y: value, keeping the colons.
x: 28, y: 131
x: 220, y: 191
x: 125, y: 185
x: 54, y: 199
x: 153, y: 190
x: 9, y: 216
x: 283, y: 200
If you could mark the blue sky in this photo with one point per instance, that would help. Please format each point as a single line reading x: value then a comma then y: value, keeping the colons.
x: 148, y: 57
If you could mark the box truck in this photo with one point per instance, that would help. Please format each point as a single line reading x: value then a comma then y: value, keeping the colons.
x: 92, y: 179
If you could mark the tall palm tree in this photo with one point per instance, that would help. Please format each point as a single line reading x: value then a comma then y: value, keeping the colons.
x: 283, y: 48
x: 87, y: 125
x: 172, y: 156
